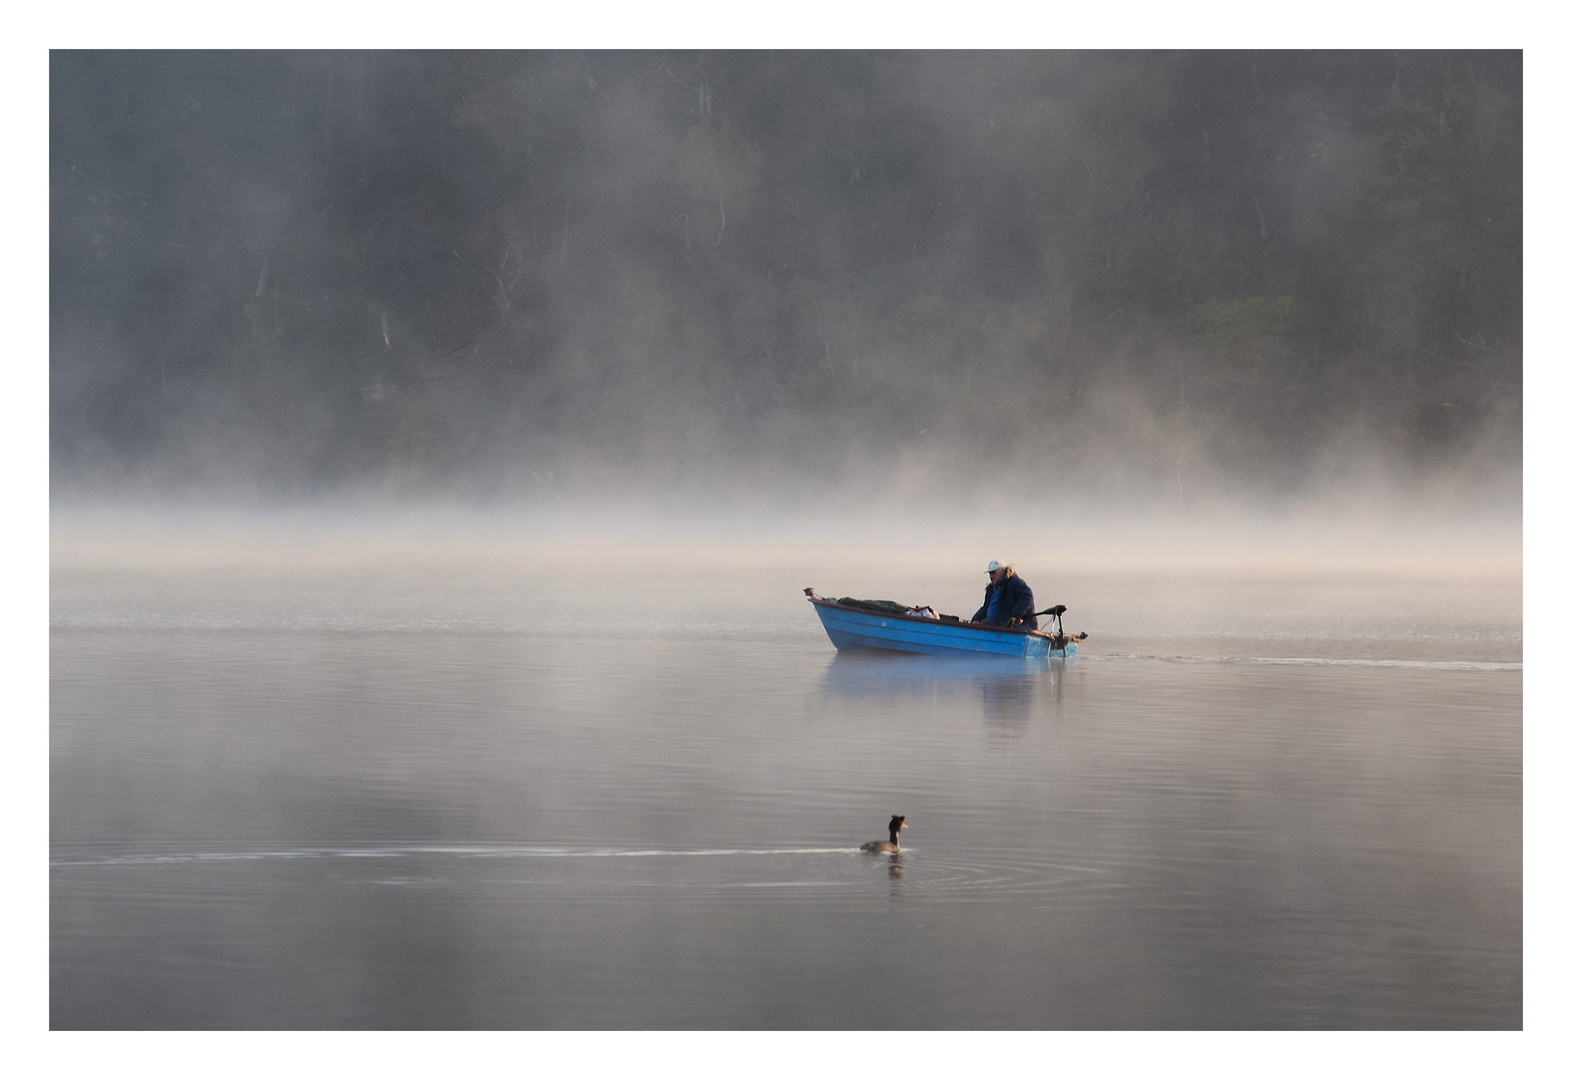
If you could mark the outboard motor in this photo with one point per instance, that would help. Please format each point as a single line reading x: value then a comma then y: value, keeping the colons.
x: 1057, y: 638
x: 1056, y: 613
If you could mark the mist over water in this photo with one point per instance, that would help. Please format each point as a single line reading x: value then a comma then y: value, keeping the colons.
x: 466, y: 770
x: 441, y: 443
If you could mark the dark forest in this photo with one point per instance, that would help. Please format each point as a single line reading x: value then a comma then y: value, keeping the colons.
x: 489, y: 275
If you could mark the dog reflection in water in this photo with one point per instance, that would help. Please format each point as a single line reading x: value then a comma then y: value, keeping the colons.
x: 893, y: 844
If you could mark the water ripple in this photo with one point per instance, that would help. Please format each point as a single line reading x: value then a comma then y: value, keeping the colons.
x: 484, y: 851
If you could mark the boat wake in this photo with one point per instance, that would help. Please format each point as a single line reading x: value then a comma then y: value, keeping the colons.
x: 1320, y: 661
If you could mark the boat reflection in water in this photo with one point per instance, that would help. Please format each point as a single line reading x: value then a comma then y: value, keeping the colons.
x: 1007, y: 688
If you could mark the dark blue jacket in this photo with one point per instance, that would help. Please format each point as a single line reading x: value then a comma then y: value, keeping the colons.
x: 1015, y: 602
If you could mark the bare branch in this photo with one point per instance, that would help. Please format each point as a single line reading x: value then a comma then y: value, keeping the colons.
x: 1471, y: 344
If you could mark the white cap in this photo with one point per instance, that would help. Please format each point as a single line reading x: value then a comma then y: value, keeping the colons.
x: 995, y: 565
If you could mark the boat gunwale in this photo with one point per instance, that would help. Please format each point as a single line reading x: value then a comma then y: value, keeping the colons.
x: 964, y: 624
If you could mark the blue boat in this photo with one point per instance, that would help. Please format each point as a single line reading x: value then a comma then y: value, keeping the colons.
x: 868, y: 627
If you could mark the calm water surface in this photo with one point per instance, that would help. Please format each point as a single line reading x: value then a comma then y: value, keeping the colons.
x: 385, y: 800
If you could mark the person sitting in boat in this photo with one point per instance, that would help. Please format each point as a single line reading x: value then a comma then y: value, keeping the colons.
x: 1007, y: 601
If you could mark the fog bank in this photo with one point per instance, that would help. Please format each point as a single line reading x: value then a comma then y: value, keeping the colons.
x: 1131, y: 278
x: 584, y: 541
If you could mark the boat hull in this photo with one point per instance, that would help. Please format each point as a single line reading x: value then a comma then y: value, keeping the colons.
x: 851, y: 628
